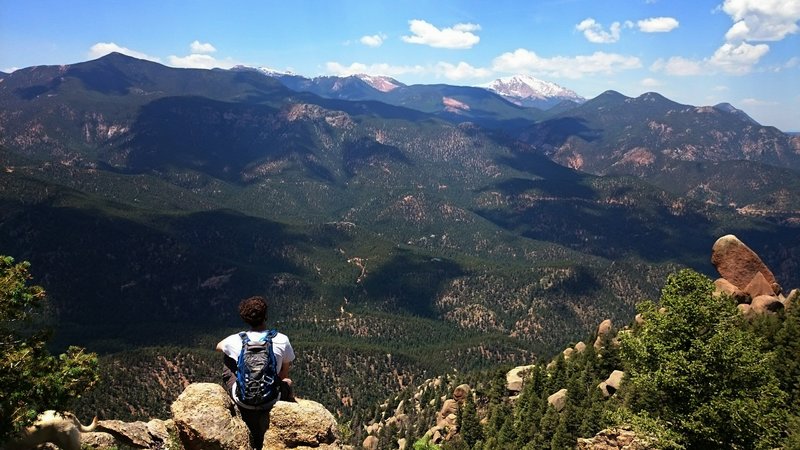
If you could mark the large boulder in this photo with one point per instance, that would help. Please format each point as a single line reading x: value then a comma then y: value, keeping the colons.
x: 98, y: 439
x: 151, y: 434
x: 515, y: 377
x: 303, y: 424
x: 558, y: 400
x: 723, y: 286
x: 605, y: 328
x: 370, y: 443
x: 206, y: 419
x: 758, y: 286
x: 738, y: 264
x: 461, y: 392
x: 766, y: 304
x: 612, y: 383
x: 449, y: 407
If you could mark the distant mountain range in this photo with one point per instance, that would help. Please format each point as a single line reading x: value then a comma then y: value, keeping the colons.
x: 144, y: 195
x: 522, y: 90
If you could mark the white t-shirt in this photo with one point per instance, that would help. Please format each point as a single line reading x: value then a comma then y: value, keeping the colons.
x: 232, y: 346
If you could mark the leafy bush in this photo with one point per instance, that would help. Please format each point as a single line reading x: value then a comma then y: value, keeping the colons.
x: 33, y: 380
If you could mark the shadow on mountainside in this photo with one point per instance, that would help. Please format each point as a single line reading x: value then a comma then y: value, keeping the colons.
x: 411, y: 282
x: 105, y: 272
x: 556, y: 132
x: 235, y: 142
x: 367, y: 152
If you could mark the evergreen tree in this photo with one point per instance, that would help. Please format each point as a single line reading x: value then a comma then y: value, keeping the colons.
x: 695, y: 367
x: 470, y: 428
x: 32, y: 379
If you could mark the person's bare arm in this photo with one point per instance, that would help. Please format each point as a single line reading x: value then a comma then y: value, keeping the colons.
x: 219, y: 346
x: 283, y: 374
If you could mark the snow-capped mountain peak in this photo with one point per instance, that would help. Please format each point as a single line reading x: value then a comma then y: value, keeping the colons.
x: 266, y: 71
x: 381, y: 83
x: 526, y: 90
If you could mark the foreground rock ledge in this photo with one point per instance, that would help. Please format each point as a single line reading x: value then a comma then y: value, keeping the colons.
x: 206, y: 419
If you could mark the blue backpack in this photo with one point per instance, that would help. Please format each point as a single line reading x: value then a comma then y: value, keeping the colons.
x: 257, y: 373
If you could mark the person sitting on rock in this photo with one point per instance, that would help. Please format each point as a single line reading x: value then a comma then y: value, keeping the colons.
x: 253, y: 312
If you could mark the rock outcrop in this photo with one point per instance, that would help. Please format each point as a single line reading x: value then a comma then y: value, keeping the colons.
x: 747, y: 279
x: 515, y: 378
x: 558, y: 400
x: 605, y: 328
x: 301, y: 425
x: 612, y: 383
x: 206, y: 419
x: 738, y: 264
x: 616, y: 439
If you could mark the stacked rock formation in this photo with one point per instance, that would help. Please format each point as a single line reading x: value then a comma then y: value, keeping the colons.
x: 445, y: 427
x: 746, y: 278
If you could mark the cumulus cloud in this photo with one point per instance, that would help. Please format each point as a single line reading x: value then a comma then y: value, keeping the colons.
x: 594, y: 31
x: 200, y: 47
x: 657, y: 25
x: 198, y: 61
x: 526, y: 61
x: 679, y: 66
x: 336, y: 68
x: 761, y: 20
x: 103, y: 48
x: 460, y: 36
x: 729, y: 58
x: 738, y: 59
x: 650, y: 82
x: 375, y: 40
x: 461, y: 71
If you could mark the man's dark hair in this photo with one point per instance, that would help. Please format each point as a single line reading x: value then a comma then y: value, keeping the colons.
x: 253, y: 310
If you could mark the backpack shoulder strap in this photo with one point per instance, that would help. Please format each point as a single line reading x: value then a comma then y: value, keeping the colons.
x: 245, y: 339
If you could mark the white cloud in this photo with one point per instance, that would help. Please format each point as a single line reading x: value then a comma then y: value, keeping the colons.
x: 375, y: 40
x: 650, y: 82
x: 103, y: 48
x: 762, y: 20
x: 679, y: 66
x: 460, y: 36
x: 526, y: 61
x: 9, y: 69
x: 738, y: 59
x: 461, y: 71
x: 200, y: 47
x: 594, y: 32
x: 757, y: 102
x: 657, y: 25
x: 336, y: 68
x: 198, y: 61
x: 720, y: 88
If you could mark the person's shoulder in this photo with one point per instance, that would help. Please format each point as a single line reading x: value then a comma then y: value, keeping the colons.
x: 280, y: 338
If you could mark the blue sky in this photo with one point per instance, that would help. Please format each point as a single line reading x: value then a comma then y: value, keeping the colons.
x: 699, y: 52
